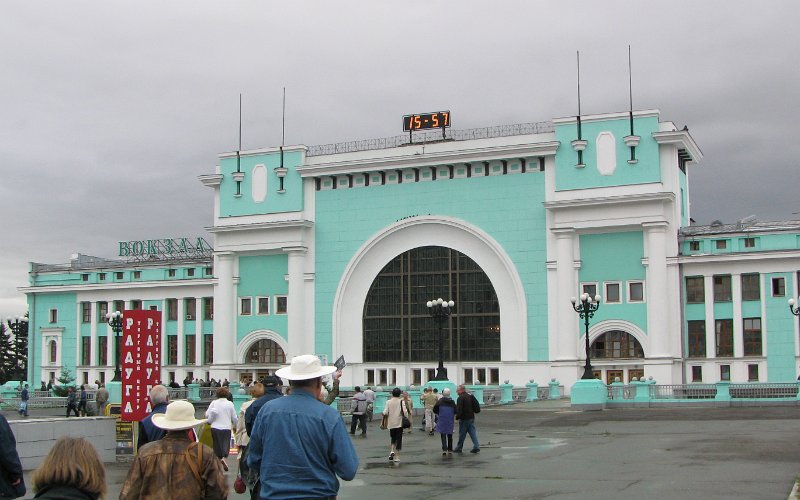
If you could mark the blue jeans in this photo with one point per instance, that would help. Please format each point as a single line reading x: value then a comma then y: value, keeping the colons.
x: 464, y: 427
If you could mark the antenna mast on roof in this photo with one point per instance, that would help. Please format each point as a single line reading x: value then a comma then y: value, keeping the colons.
x: 631, y: 140
x: 238, y: 177
x: 579, y: 144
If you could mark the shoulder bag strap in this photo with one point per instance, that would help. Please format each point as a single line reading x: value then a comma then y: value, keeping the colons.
x: 194, y: 465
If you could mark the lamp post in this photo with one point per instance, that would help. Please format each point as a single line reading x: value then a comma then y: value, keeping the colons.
x: 115, y: 322
x: 586, y: 308
x: 440, y: 310
x: 17, y: 325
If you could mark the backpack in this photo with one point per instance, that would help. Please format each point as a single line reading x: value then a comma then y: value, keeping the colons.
x: 476, y: 407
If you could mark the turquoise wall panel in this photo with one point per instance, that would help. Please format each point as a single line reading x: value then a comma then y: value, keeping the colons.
x: 289, y: 201
x: 507, y: 207
x: 695, y: 311
x: 751, y: 309
x: 262, y: 276
x: 779, y: 336
x: 723, y: 310
x: 615, y: 257
x: 67, y: 305
x: 646, y: 170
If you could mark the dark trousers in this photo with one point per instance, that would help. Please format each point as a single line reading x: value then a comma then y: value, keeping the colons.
x: 447, y: 442
x: 74, y: 408
x: 359, y: 419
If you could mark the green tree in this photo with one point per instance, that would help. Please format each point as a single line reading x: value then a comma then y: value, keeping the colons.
x: 6, y: 353
x: 65, y: 380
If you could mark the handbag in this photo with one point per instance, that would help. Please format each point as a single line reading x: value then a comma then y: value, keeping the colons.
x: 406, y: 422
x: 385, y: 422
x: 239, y: 485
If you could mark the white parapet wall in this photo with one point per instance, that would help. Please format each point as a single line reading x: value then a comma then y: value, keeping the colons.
x: 36, y: 436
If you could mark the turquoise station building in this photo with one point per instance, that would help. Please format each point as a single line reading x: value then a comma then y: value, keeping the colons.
x: 336, y: 249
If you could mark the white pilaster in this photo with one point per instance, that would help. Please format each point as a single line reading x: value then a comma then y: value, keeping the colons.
x: 224, y: 311
x: 93, y: 326
x: 656, y: 285
x: 738, y: 326
x: 181, y: 322
x: 300, y: 342
x: 198, y: 335
x: 566, y: 288
x: 711, y: 346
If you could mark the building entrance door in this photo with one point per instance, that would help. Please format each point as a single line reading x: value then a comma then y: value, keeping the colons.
x: 612, y: 375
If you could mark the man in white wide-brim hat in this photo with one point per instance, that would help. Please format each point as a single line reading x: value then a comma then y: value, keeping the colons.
x: 298, y: 443
x: 175, y: 467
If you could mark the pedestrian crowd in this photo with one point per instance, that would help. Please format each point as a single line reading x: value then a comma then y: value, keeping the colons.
x: 292, y: 445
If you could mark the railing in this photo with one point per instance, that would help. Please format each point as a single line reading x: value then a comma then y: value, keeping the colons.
x: 519, y: 394
x: 491, y: 396
x: 344, y: 405
x: 617, y: 392
x: 690, y: 391
x: 208, y: 392
x: 762, y: 391
x: 431, y: 137
x: 175, y: 394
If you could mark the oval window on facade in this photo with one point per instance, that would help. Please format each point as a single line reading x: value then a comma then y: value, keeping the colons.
x: 259, y: 183
x: 606, y: 153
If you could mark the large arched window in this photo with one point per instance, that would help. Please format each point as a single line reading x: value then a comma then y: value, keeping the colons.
x: 265, y: 352
x: 396, y: 322
x: 616, y: 344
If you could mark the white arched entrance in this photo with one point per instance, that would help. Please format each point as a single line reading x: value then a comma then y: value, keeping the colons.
x: 417, y: 232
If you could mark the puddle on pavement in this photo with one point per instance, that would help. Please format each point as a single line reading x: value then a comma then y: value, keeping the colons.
x: 538, y: 445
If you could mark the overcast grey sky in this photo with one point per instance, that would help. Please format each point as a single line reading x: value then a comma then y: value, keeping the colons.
x: 110, y: 110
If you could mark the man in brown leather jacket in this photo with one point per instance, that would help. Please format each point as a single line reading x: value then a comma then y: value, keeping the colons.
x: 175, y: 467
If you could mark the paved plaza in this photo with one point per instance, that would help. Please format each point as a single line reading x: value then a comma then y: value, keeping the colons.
x: 547, y: 450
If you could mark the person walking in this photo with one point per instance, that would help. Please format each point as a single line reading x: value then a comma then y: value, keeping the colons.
x: 175, y: 467
x: 429, y: 400
x: 84, y: 399
x: 159, y: 399
x: 72, y: 402
x: 71, y: 471
x: 359, y: 412
x: 222, y: 417
x: 299, y: 445
x: 101, y: 400
x: 395, y: 411
x: 24, y: 397
x: 370, y: 395
x: 12, y: 483
x: 445, y: 409
x: 242, y: 439
x: 466, y: 408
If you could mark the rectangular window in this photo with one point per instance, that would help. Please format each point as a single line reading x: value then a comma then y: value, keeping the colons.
x: 697, y: 374
x: 136, y: 305
x: 190, y: 272
x: 208, y: 271
x: 635, y: 291
x: 170, y: 273
x: 416, y: 376
x: 494, y: 376
x: 245, y: 306
x: 721, y: 244
x: 697, y: 338
x: 752, y: 373
x: 281, y: 304
x: 53, y: 315
x: 103, y: 377
x: 263, y: 305
x: 84, y: 277
x: 208, y: 349
x: 102, y: 311
x: 431, y: 372
x: 172, y: 309
x: 695, y: 290
x: 102, y: 351
x: 725, y: 372
x: 722, y: 288
x: 752, y: 336
x: 172, y: 349
x: 101, y: 276
x: 480, y: 376
x: 590, y: 288
x: 694, y: 246
x: 468, y: 375
x: 383, y: 377
x: 370, y: 377
x: 612, y: 293
x: 723, y: 329
x: 119, y: 305
x: 119, y: 275
x: 751, y: 286
x: 208, y: 308
x: 749, y: 242
x: 190, y: 349
x: 86, y: 312
x: 778, y: 287
x: 137, y: 275
x: 86, y: 351
x: 190, y: 308
x: 153, y: 308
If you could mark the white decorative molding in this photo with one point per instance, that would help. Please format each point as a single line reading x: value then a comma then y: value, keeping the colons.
x: 243, y: 346
x: 616, y: 324
x: 258, y: 186
x: 606, y: 153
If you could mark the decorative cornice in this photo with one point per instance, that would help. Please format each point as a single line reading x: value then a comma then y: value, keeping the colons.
x: 729, y: 257
x: 211, y: 180
x: 255, y: 226
x: 116, y: 286
x: 610, y: 200
x: 682, y: 139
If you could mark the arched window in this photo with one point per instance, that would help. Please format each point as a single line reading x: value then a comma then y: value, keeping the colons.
x: 396, y: 322
x: 265, y: 352
x: 53, y: 347
x: 616, y: 344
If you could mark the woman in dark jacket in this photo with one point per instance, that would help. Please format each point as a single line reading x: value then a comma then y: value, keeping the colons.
x: 71, y: 471
x: 445, y: 408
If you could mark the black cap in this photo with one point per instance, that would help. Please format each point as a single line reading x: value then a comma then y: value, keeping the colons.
x: 272, y: 381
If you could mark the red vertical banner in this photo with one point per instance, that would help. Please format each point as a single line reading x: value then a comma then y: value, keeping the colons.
x: 140, y: 361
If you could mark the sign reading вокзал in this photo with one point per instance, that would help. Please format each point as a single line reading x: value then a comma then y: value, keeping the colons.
x: 165, y: 248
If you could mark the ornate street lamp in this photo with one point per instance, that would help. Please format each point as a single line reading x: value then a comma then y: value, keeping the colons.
x: 792, y: 308
x: 586, y: 309
x: 115, y: 322
x: 18, y: 326
x: 440, y: 310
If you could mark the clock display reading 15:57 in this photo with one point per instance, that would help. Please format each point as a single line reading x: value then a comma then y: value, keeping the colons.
x: 424, y: 121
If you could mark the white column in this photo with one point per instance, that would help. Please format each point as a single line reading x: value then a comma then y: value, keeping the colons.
x: 655, y: 287
x: 181, y: 319
x: 299, y: 341
x: 224, y: 310
x: 94, y: 325
x: 198, y: 336
x: 567, y: 348
x: 738, y: 326
x: 711, y: 344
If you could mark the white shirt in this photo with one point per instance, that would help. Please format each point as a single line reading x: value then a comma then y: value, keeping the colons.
x: 370, y: 394
x: 221, y: 414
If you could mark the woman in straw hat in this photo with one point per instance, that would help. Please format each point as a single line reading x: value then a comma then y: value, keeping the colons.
x: 175, y: 467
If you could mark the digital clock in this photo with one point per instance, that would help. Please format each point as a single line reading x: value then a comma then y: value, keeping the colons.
x: 423, y: 121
